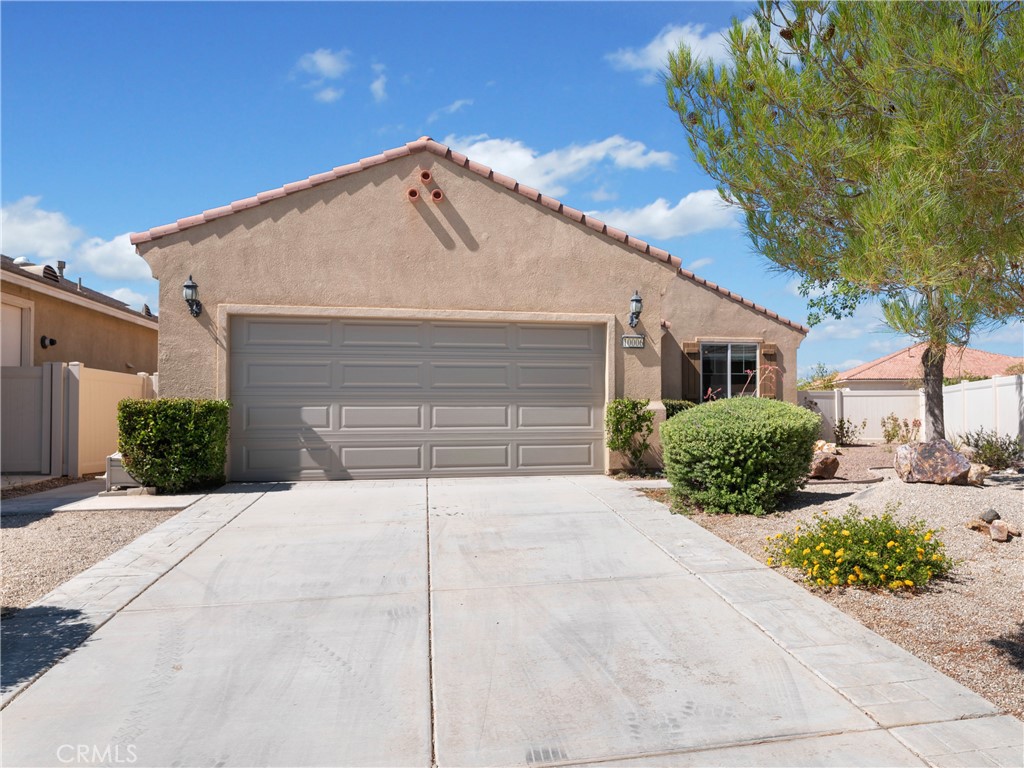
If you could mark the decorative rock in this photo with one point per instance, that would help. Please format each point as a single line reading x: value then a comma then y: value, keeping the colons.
x: 998, y: 531
x: 824, y: 465
x: 968, y: 452
x: 822, y: 446
x: 978, y: 473
x: 977, y: 525
x: 1012, y: 529
x: 989, y: 516
x: 932, y: 462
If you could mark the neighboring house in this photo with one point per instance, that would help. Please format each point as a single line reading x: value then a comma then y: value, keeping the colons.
x: 418, y: 314
x: 904, y: 369
x: 47, y: 318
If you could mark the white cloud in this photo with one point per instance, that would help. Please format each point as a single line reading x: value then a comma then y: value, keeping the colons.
x: 133, y: 299
x: 697, y: 212
x: 602, y: 195
x: 379, y: 86
x: 699, y: 263
x: 653, y: 57
x: 549, y: 172
x: 451, y: 109
x: 324, y: 63
x: 112, y: 258
x: 328, y: 95
x: 27, y: 230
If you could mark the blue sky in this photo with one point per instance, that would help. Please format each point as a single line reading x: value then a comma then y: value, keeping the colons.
x: 122, y: 116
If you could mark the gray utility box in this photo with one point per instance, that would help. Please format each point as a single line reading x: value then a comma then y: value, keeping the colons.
x: 117, y: 476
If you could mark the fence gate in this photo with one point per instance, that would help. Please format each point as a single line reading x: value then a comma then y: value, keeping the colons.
x: 32, y: 418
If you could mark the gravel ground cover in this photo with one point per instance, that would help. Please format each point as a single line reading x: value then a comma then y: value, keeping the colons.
x: 969, y: 625
x: 39, y: 552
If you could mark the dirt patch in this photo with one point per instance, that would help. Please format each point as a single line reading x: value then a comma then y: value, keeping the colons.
x: 44, y: 485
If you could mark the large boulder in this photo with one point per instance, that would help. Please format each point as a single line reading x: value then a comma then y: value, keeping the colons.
x: 824, y: 465
x: 936, y: 461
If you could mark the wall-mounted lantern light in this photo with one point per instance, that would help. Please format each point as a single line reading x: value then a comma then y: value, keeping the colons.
x: 46, y: 342
x: 191, y: 293
x: 636, y: 306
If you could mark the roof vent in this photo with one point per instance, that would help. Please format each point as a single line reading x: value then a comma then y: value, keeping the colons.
x: 45, y: 271
x: 22, y: 261
x: 146, y: 310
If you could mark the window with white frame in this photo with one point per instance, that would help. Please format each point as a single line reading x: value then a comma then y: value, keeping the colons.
x: 728, y: 370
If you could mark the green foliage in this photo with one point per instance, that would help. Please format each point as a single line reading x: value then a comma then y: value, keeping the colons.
x: 847, y: 432
x: 875, y: 150
x: 1014, y: 370
x: 174, y: 444
x: 742, y: 455
x: 821, y: 377
x: 896, y: 431
x: 672, y: 407
x: 629, y: 425
x: 948, y: 381
x: 998, y: 452
x: 868, y: 552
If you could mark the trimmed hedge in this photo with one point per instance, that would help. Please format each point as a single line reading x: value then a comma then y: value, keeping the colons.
x: 672, y: 407
x: 742, y: 455
x: 174, y: 444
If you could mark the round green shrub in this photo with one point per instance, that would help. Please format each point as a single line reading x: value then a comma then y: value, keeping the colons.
x: 174, y: 444
x: 742, y: 455
x: 672, y: 407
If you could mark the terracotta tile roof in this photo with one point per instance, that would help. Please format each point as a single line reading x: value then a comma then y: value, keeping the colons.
x: 907, y: 364
x: 70, y: 286
x: 427, y: 144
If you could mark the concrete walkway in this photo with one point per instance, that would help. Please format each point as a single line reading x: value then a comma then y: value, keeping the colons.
x: 470, y: 622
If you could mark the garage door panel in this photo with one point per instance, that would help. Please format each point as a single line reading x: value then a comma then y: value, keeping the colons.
x: 473, y: 456
x: 382, y: 457
x: 414, y: 399
x: 381, y: 417
x: 556, y: 376
x: 548, y: 416
x: 551, y: 337
x: 255, y: 374
x: 376, y: 335
x: 459, y: 336
x: 286, y: 416
x: 380, y: 375
x: 555, y: 455
x: 471, y: 417
x: 469, y: 375
x: 288, y: 333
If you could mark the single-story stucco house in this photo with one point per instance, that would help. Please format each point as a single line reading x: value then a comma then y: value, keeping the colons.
x: 417, y: 314
x: 904, y: 368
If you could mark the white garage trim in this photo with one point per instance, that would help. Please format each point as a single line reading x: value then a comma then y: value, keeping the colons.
x: 606, y: 323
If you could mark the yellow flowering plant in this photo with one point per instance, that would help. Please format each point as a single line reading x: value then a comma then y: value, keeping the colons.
x: 877, y: 552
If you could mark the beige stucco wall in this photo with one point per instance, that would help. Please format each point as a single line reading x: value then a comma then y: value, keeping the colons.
x: 357, y: 242
x: 95, y: 339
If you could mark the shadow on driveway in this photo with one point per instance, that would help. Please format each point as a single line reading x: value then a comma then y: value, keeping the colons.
x: 34, y: 639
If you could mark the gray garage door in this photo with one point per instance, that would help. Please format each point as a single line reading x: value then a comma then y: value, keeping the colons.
x: 335, y: 399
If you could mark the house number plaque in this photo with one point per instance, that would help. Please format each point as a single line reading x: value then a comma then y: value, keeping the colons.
x: 633, y: 341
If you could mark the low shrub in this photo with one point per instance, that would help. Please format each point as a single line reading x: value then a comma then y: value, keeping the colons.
x: 742, y: 455
x: 672, y: 407
x: 629, y: 425
x: 998, y: 452
x: 895, y: 431
x: 847, y: 432
x: 869, y: 552
x: 174, y: 444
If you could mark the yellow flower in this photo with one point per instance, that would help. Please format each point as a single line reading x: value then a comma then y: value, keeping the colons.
x: 806, y: 551
x: 908, y: 582
x: 840, y: 552
x: 834, y: 580
x: 769, y: 561
x: 788, y: 550
x: 899, y: 567
x: 821, y: 582
x: 851, y: 578
x: 928, y: 536
x: 890, y: 544
x: 846, y: 532
x: 827, y: 552
x: 778, y: 535
x: 881, y: 576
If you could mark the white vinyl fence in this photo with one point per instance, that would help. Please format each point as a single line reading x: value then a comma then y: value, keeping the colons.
x: 993, y: 404
x: 61, y: 418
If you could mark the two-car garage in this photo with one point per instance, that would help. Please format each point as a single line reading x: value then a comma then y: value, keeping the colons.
x: 335, y: 398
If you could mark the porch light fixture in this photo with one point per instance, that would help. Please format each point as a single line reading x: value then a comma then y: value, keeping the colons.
x: 636, y: 306
x: 191, y: 293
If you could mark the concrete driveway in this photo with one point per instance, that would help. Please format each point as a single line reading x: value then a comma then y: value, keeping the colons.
x: 469, y: 622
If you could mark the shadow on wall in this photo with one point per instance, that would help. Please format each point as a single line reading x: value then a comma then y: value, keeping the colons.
x: 34, y: 639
